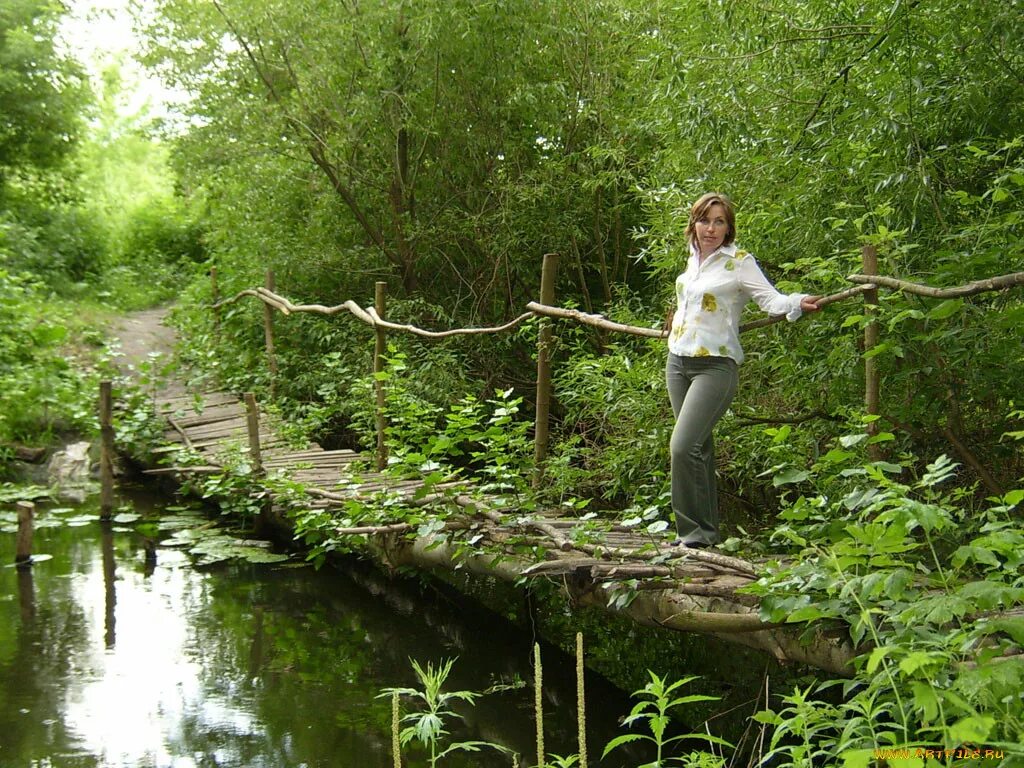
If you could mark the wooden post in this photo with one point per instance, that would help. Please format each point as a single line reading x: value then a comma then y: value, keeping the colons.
x: 547, y: 296
x: 253, y: 420
x: 215, y: 299
x: 23, y: 547
x: 872, y: 383
x: 379, y: 349
x: 106, y: 452
x: 268, y: 331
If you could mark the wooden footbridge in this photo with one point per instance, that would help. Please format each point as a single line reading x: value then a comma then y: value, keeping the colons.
x: 620, y: 568
x: 637, y: 574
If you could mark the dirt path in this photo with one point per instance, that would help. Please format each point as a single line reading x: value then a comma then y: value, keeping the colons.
x: 143, y: 336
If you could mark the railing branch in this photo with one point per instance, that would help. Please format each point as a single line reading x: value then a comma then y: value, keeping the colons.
x: 822, y: 302
x: 368, y: 316
x: 598, y: 321
x: 375, y: 320
x: 978, y: 286
x: 865, y: 283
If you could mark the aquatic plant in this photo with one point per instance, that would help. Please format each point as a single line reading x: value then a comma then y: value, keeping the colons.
x: 538, y: 701
x: 427, y: 726
x: 654, y: 709
x: 396, y: 745
x: 581, y: 710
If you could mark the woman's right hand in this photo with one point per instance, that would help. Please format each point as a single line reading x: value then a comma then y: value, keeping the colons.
x: 810, y: 303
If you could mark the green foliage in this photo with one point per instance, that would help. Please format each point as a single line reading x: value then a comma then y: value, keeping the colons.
x: 617, y: 422
x: 481, y: 441
x: 42, y: 393
x: 403, y: 189
x: 57, y: 242
x: 428, y: 726
x: 485, y: 439
x: 659, y: 698
x: 153, y: 237
x: 88, y: 207
x: 138, y: 425
x: 922, y: 584
x: 239, y: 490
x: 42, y: 91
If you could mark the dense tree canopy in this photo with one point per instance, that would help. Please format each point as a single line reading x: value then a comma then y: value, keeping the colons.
x: 42, y: 90
x: 444, y: 146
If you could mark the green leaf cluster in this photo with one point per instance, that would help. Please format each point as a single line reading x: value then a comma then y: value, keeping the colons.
x: 929, y: 592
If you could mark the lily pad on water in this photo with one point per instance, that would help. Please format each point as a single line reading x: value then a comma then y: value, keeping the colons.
x: 221, y: 547
x: 9, y: 522
x: 174, y: 558
x: 190, y: 535
x: 172, y: 542
x: 253, y: 543
x: 258, y: 556
x: 180, y: 521
x: 126, y: 517
x: 34, y: 559
x: 10, y: 492
x: 209, y: 545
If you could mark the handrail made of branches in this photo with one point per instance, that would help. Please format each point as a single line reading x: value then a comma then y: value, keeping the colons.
x: 368, y: 316
x: 978, y: 286
x: 865, y: 283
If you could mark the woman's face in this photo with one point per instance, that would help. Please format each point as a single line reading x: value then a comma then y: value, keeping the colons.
x: 711, y: 229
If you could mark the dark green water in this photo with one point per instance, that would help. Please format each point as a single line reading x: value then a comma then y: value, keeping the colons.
x: 108, y: 658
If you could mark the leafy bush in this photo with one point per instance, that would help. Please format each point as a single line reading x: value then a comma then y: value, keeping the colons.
x: 59, y: 244
x: 615, y: 422
x: 929, y: 589
x: 41, y: 392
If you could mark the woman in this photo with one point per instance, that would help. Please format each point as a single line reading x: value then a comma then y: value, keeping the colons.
x: 704, y: 352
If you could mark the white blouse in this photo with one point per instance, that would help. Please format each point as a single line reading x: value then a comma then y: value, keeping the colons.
x: 710, y: 297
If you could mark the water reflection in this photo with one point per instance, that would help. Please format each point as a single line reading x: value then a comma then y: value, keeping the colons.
x: 114, y: 653
x: 109, y: 574
x: 26, y: 598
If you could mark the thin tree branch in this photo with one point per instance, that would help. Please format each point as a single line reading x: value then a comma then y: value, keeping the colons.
x: 844, y: 71
x: 1000, y: 283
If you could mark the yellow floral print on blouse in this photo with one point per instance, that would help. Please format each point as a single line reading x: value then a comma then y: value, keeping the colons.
x: 710, y: 298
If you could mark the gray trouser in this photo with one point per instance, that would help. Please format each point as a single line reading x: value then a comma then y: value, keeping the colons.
x: 700, y: 390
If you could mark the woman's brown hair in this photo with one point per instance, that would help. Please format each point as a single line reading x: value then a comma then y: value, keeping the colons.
x: 700, y: 209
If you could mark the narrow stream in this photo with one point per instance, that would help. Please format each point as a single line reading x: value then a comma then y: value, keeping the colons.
x: 110, y: 657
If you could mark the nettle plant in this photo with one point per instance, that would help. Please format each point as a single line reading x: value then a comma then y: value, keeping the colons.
x: 238, y: 489
x: 929, y: 590
x: 480, y: 438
